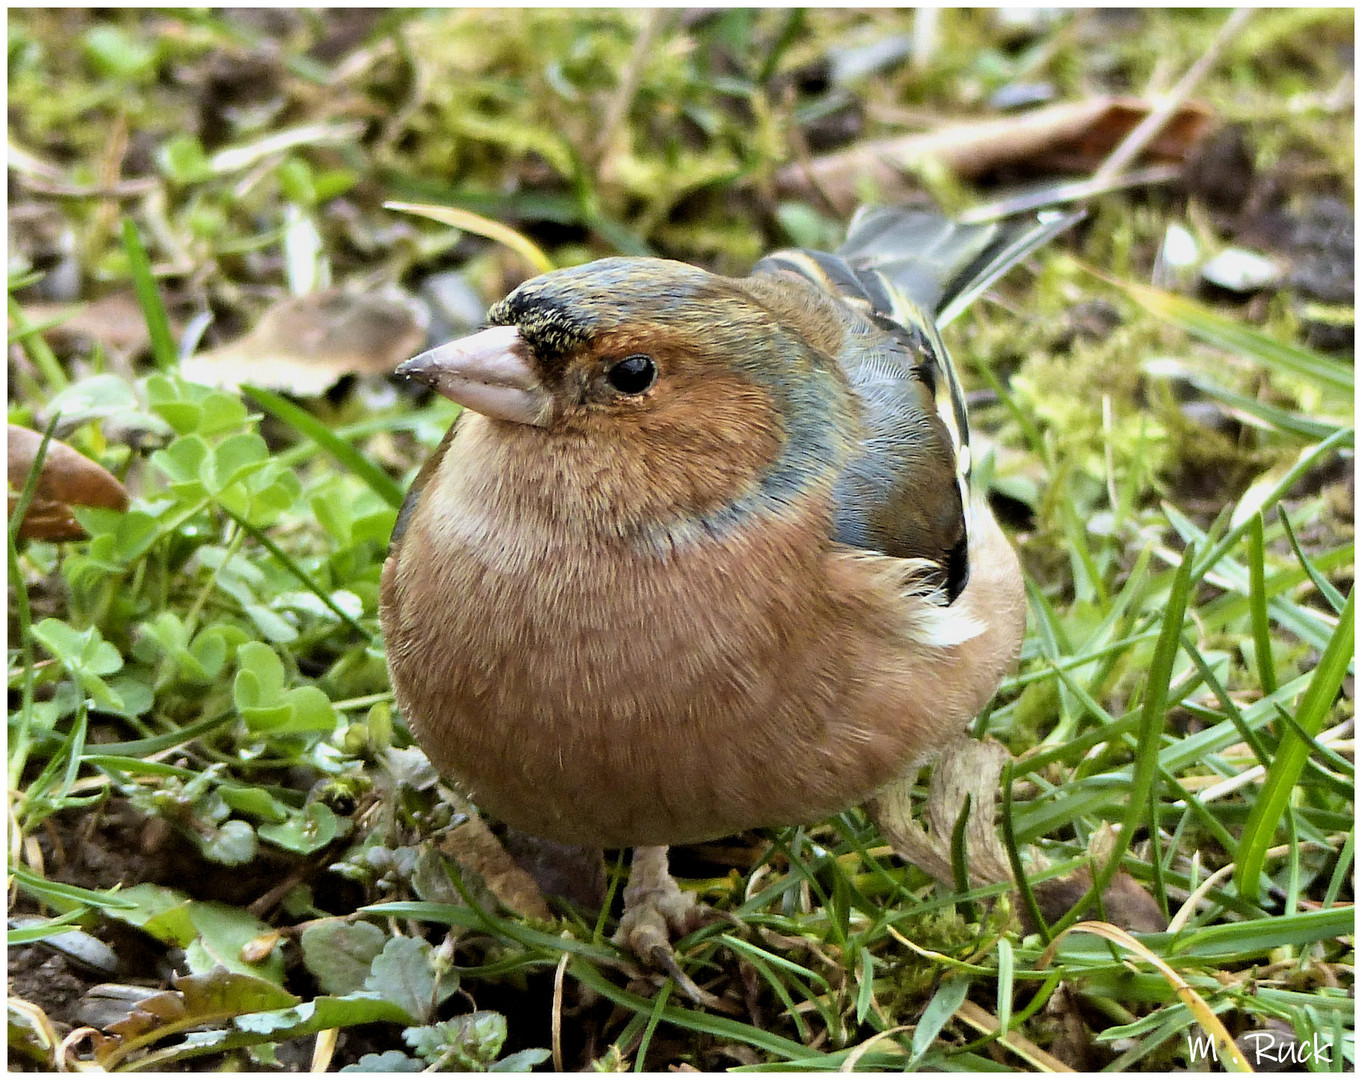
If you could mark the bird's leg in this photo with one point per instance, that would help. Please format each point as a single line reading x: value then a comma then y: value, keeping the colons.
x: 655, y: 910
x: 655, y: 907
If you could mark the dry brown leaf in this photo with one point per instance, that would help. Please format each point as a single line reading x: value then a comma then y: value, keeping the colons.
x: 472, y: 845
x: 1073, y: 1042
x: 306, y: 344
x: 67, y: 479
x: 1073, y: 136
x: 194, y: 1000
x: 115, y: 320
x: 1126, y: 903
x: 968, y: 767
x: 563, y: 870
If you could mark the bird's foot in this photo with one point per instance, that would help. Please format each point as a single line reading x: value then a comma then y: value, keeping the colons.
x: 657, y: 910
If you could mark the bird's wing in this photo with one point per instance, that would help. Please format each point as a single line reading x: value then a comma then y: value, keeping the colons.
x: 904, y: 273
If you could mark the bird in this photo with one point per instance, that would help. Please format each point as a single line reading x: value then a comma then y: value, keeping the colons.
x: 701, y: 553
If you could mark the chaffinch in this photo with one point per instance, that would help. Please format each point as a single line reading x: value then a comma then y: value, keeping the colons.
x: 701, y: 554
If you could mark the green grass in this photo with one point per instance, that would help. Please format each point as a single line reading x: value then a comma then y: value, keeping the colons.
x: 209, y: 664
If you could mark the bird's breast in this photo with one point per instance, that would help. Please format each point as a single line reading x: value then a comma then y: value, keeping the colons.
x: 588, y: 688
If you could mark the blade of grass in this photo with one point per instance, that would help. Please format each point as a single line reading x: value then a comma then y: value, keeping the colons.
x: 1241, y: 340
x: 865, y: 991
x: 1343, y: 789
x: 26, y: 935
x: 1087, y: 579
x: 60, y: 895
x: 948, y: 997
x: 1340, y: 874
x: 1227, y: 703
x: 1309, y: 625
x: 1168, y: 1023
x: 302, y: 421
x: 122, y: 767
x: 1314, y: 627
x: 978, y: 1018
x: 688, y: 1019
x: 1014, y: 858
x: 1292, y: 751
x: 1261, y: 414
x: 1260, y: 498
x: 1006, y: 970
x: 1145, y: 772
x: 789, y: 32
x: 1226, y: 1049
x: 1224, y: 942
x: 777, y: 985
x: 468, y: 221
x: 170, y: 739
x: 1291, y: 902
x: 38, y: 801
x: 801, y: 870
x: 1111, y: 653
x: 1054, y: 646
x: 149, y: 296
x: 258, y: 535
x: 1323, y: 584
x: 1030, y: 430
x: 1262, y: 639
x: 35, y: 345
x: 960, y: 861
x: 659, y: 1003
x: 23, y: 735
x: 474, y: 918
x: 1156, y: 852
x: 41, y: 326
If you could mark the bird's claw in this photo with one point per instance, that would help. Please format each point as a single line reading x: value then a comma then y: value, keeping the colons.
x: 657, y: 911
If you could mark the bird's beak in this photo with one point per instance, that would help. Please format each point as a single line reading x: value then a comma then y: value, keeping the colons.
x: 488, y: 372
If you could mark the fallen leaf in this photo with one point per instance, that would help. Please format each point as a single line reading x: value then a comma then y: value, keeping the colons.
x: 1126, y: 903
x: 115, y: 320
x: 565, y: 870
x: 966, y: 768
x: 195, y: 1001
x: 67, y: 479
x: 1072, y: 1042
x: 1072, y: 136
x: 472, y: 846
x: 306, y: 344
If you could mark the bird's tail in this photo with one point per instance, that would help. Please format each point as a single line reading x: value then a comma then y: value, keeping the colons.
x: 939, y: 264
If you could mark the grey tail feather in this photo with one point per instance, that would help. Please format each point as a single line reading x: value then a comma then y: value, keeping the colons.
x: 940, y: 264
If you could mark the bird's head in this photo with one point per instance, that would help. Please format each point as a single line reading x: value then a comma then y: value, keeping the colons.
x: 691, y: 378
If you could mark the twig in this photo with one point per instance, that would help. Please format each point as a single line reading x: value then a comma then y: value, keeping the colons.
x: 1070, y: 191
x: 926, y: 37
x: 805, y: 161
x: 624, y: 93
x: 557, y: 1022
x: 1146, y: 130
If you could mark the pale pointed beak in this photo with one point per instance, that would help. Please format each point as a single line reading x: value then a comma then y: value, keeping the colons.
x: 489, y: 372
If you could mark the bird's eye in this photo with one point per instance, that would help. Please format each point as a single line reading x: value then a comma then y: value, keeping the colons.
x: 632, y: 375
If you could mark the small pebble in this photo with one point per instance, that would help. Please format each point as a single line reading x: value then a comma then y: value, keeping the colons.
x: 847, y: 64
x: 1022, y: 95
x: 1242, y: 271
x: 79, y: 946
x: 455, y: 306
